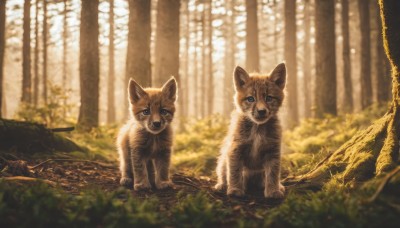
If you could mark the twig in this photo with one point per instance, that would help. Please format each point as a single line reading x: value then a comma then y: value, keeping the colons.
x: 196, y: 187
x: 73, y: 160
x: 382, y: 185
x: 30, y: 179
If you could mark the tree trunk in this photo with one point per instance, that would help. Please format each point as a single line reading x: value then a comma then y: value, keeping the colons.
x: 348, y: 85
x: 291, y: 63
x: 306, y: 62
x: 210, y: 73
x: 44, y: 37
x: 252, y: 45
x: 2, y: 49
x: 375, y: 150
x: 366, y: 84
x: 196, y: 64
x: 26, y: 55
x: 111, y: 68
x: 167, y: 42
x: 325, y: 58
x: 65, y: 51
x: 383, y: 78
x: 36, y: 55
x: 230, y: 52
x: 138, y: 63
x: 184, y: 89
x: 203, y: 84
x: 89, y: 65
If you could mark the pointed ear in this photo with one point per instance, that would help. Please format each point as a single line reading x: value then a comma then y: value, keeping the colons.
x: 240, y: 77
x: 135, y: 91
x: 170, y: 89
x: 278, y: 75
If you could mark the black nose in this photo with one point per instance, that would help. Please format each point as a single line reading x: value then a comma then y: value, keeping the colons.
x: 157, y: 124
x: 262, y: 112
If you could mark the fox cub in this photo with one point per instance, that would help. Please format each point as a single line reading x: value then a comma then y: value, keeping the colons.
x: 144, y: 143
x: 251, y: 150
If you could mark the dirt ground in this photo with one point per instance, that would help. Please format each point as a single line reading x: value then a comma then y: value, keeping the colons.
x: 74, y: 175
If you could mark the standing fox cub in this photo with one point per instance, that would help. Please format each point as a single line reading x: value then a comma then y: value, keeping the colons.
x: 144, y: 143
x: 251, y: 150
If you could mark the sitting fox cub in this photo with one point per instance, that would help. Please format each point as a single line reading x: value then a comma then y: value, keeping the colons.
x: 144, y: 143
x: 251, y: 150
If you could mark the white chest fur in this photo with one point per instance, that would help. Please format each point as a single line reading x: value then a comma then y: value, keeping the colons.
x: 257, y: 142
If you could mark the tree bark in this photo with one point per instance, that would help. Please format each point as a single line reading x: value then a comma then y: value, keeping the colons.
x: 383, y: 78
x: 373, y: 151
x: 252, y: 44
x: 291, y: 63
x: 65, y: 50
x: 26, y: 55
x: 167, y: 42
x: 203, y: 83
x: 36, y: 56
x: 111, y: 68
x: 306, y: 62
x: 185, y: 85
x: 89, y: 65
x: 348, y: 85
x: 44, y: 37
x: 366, y: 84
x: 325, y: 58
x: 2, y: 50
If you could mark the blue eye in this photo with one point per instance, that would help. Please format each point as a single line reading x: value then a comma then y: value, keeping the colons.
x: 146, y: 112
x: 163, y: 112
x: 250, y: 99
x: 269, y: 98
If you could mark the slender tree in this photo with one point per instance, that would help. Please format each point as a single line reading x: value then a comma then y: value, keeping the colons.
x: 325, y: 58
x: 44, y: 37
x: 111, y: 68
x: 36, y: 58
x: 185, y: 85
x: 167, y: 42
x: 306, y: 62
x: 210, y: 73
x: 252, y: 44
x: 203, y: 84
x: 2, y: 49
x: 26, y: 55
x: 89, y: 65
x: 65, y: 43
x: 291, y: 63
x: 366, y: 84
x: 348, y: 85
x: 230, y: 51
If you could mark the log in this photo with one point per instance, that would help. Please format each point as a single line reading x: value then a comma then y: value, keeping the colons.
x: 28, y: 137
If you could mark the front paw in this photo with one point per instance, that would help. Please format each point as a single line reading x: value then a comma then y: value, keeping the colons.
x: 278, y: 194
x: 164, y: 184
x: 219, y: 187
x: 141, y: 186
x: 126, y: 182
x: 235, y: 192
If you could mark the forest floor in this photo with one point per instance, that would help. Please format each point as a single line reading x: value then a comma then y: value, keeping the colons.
x: 82, y: 188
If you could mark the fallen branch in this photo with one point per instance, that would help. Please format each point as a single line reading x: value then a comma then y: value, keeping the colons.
x: 62, y: 129
x: 28, y: 179
x: 74, y: 160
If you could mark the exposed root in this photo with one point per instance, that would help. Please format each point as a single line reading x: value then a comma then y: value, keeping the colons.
x: 76, y: 160
x: 369, y: 153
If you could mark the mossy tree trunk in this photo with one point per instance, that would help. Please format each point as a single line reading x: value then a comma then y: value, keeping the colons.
x: 375, y: 150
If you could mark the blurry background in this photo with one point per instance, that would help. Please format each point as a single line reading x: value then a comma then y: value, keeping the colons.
x: 212, y: 38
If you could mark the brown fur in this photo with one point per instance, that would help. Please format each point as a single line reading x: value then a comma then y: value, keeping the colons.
x: 144, y: 143
x: 252, y: 147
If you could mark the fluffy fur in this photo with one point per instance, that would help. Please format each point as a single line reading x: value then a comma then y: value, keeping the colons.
x: 144, y: 143
x: 251, y: 150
